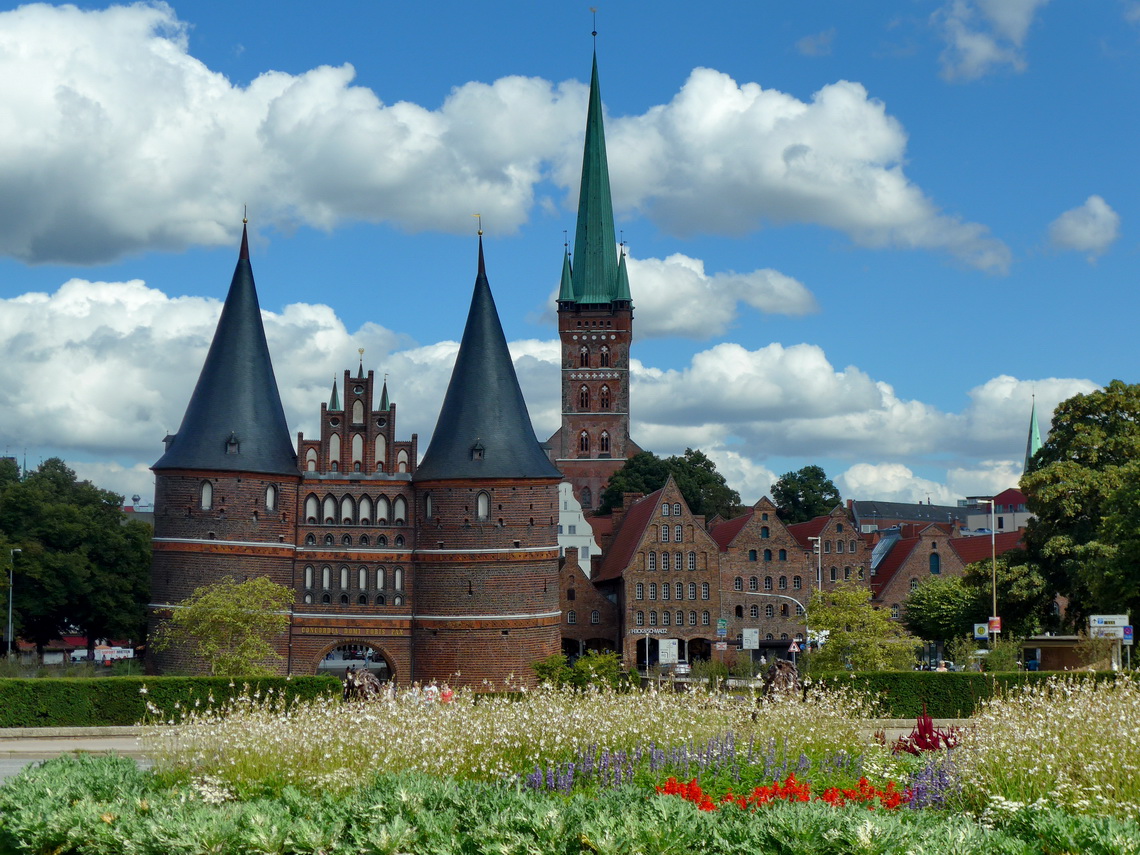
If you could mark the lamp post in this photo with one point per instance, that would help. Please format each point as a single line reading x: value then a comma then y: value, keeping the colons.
x: 803, y: 608
x: 818, y: 561
x: 11, y: 595
x: 993, y: 565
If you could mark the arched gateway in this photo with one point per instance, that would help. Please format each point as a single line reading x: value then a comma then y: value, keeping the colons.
x: 351, y: 653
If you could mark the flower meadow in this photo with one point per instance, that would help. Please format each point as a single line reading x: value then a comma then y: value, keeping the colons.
x: 1050, y: 770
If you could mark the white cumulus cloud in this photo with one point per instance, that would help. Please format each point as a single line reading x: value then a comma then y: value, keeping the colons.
x: 1092, y: 227
x: 983, y: 35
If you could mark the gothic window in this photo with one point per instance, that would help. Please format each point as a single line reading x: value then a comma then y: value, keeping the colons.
x: 397, y: 600
x: 325, y: 599
x: 483, y: 506
x: 271, y: 497
x: 399, y: 540
x: 312, y: 509
x: 308, y: 598
x: 584, y: 399
x: 364, y: 541
x: 382, y: 540
x: 583, y: 442
x: 400, y: 510
x: 604, y: 442
x: 343, y: 577
x: 365, y: 510
x: 380, y: 578
x: 381, y: 451
x: 310, y: 540
x: 326, y: 577
x: 398, y: 579
x: 347, y: 511
x: 754, y: 611
x: 402, y: 461
x: 328, y: 540
x: 380, y: 599
x: 334, y: 450
x: 587, y: 500
x: 357, y: 451
x: 604, y: 357
x: 362, y: 600
x: 427, y: 506
x: 753, y: 583
x: 207, y: 496
x: 346, y: 540
x: 383, y: 510
x: 357, y: 412
x: 329, y: 510
x: 584, y: 357
x: 362, y: 579
x: 309, y: 576
x: 311, y: 460
x: 604, y: 398
x: 738, y: 583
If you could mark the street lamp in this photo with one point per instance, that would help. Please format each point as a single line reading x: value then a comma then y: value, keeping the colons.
x: 993, y: 560
x: 11, y: 595
x: 818, y: 561
x: 802, y: 607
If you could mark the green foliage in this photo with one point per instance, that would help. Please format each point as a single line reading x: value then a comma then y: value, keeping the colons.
x: 1079, y: 486
x: 1004, y: 655
x: 82, y: 564
x: 805, y: 494
x: 230, y: 625
x: 1025, y: 597
x: 860, y: 636
x: 704, y: 489
x: 592, y: 670
x: 120, y: 701
x: 943, y: 607
x: 106, y: 806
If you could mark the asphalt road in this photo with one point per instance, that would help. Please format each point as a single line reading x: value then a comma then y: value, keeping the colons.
x: 19, y: 752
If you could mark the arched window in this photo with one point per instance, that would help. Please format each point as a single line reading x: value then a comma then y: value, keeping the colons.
x: 665, y: 534
x: 587, y: 498
x: 347, y: 511
x: 362, y: 600
x: 740, y: 611
x: 677, y: 536
x: 357, y: 451
x: 309, y: 576
x: 753, y: 583
x: 570, y: 594
x: 400, y: 510
x: 308, y: 598
x: 653, y: 618
x: 312, y: 509
x: 310, y: 540
x: 839, y: 546
x: 639, y: 619
x: 584, y: 399
x: 679, y: 590
x: 754, y: 611
x: 398, y: 579
x: 834, y: 574
x: 604, y: 398
x: 381, y: 451
x: 895, y: 611
x: 677, y: 561
x: 383, y: 510
x: 427, y: 506
x: 664, y: 560
x: 357, y: 412
x: 402, y: 461
x: 751, y: 554
x: 380, y: 599
x: 365, y: 510
x: 640, y: 591
x: 692, y: 590
x: 704, y: 590
x: 846, y: 574
x: 364, y: 541
x: 852, y: 549
x: 797, y: 583
x: 595, y: 616
x: 483, y: 506
x: 362, y: 579
x: 328, y: 540
x: 311, y: 460
x: 767, y: 554
x: 325, y: 599
x: 571, y: 616
x: 207, y: 496
x: 783, y: 555
x: 326, y: 577
x: 705, y: 618
x: 329, y: 510
x: 343, y: 577
x: 676, y: 509
x: 397, y: 600
x: 783, y: 609
x: 783, y: 583
x: 334, y: 450
x: 769, y: 611
x: 666, y: 591
x: 653, y: 590
x: 346, y: 539
x: 344, y: 599
x: 692, y: 618
x: 680, y: 618
x: 583, y: 442
x: 935, y: 563
x: 692, y: 561
x: 381, y: 578
x: 738, y: 583
x: 584, y: 357
x: 665, y: 510
x: 604, y: 357
x: 767, y: 583
x: 652, y: 560
x: 913, y: 585
x: 764, y: 531
x: 271, y: 497
x: 382, y: 540
x: 604, y: 442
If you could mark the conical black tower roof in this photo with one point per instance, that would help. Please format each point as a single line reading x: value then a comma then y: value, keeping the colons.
x: 484, y: 429
x: 235, y: 421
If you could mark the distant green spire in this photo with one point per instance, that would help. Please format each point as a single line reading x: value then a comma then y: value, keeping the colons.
x: 595, y: 262
x: 384, y: 405
x: 1033, y: 444
x: 334, y: 401
x: 621, y: 292
x: 566, y: 291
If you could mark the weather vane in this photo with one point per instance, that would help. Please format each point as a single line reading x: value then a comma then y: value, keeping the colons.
x: 244, y: 214
x: 479, y: 217
x: 594, y: 11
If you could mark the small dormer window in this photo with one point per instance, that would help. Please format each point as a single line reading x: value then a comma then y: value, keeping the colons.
x: 232, y: 444
x: 477, y: 451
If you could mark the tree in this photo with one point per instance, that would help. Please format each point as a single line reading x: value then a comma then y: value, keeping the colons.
x: 804, y: 495
x: 943, y: 608
x: 230, y: 625
x: 82, y: 565
x: 1025, y: 597
x: 705, y: 490
x: 1077, y: 487
x: 858, y: 634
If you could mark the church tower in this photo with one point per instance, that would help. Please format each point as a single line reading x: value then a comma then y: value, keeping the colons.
x: 595, y: 326
x: 226, y: 487
x: 486, y: 560
x: 1033, y: 443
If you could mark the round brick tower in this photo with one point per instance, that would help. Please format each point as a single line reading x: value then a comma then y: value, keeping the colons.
x: 486, y: 580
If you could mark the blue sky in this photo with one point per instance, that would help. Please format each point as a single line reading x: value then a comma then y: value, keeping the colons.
x: 860, y: 235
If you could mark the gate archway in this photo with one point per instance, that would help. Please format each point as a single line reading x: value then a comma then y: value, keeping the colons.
x: 352, y: 653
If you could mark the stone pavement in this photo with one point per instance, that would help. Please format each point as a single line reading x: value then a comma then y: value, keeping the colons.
x: 20, y: 747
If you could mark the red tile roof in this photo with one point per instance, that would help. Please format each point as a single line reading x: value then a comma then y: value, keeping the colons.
x: 979, y: 548
x: 724, y: 533
x: 802, y: 531
x: 625, y: 541
x: 891, y: 563
x: 601, y: 525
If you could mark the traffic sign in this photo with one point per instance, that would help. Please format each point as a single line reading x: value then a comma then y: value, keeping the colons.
x: 1108, y: 620
x: 721, y: 628
x: 1127, y: 635
x: 793, y: 648
x: 981, y: 631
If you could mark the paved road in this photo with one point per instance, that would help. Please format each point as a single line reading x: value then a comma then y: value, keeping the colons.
x: 18, y: 752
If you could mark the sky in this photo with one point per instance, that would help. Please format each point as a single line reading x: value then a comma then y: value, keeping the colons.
x: 859, y: 235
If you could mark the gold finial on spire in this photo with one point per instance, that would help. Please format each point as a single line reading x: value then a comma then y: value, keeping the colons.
x: 244, y: 214
x: 479, y: 217
x: 594, y: 11
x: 360, y: 350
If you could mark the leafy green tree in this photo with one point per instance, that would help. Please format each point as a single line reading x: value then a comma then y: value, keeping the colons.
x: 705, y: 490
x: 1113, y: 570
x: 82, y: 565
x: 1077, y: 488
x: 942, y: 608
x: 230, y: 625
x: 1025, y: 597
x: 805, y: 494
x: 858, y: 634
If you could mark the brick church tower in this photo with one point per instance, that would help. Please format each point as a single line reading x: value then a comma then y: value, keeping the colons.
x: 595, y: 325
x: 486, y: 577
x: 226, y: 487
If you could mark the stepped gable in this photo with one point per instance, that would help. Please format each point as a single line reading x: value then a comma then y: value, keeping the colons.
x: 484, y: 429
x: 235, y: 421
x: 619, y: 554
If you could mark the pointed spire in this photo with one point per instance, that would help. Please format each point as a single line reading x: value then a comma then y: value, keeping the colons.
x: 234, y: 421
x: 360, y: 369
x: 384, y: 405
x: 1033, y: 444
x: 484, y: 429
x: 621, y: 290
x: 334, y: 400
x: 595, y: 262
x: 566, y: 291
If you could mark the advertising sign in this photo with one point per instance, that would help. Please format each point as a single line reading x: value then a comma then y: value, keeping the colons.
x: 995, y: 624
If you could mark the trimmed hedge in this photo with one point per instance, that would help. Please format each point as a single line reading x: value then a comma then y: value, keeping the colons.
x: 113, y: 701
x: 901, y: 694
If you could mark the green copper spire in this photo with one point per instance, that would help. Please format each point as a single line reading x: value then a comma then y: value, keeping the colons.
x: 384, y: 405
x: 566, y: 291
x: 595, y: 262
x: 621, y: 292
x: 334, y: 399
x: 1033, y: 444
